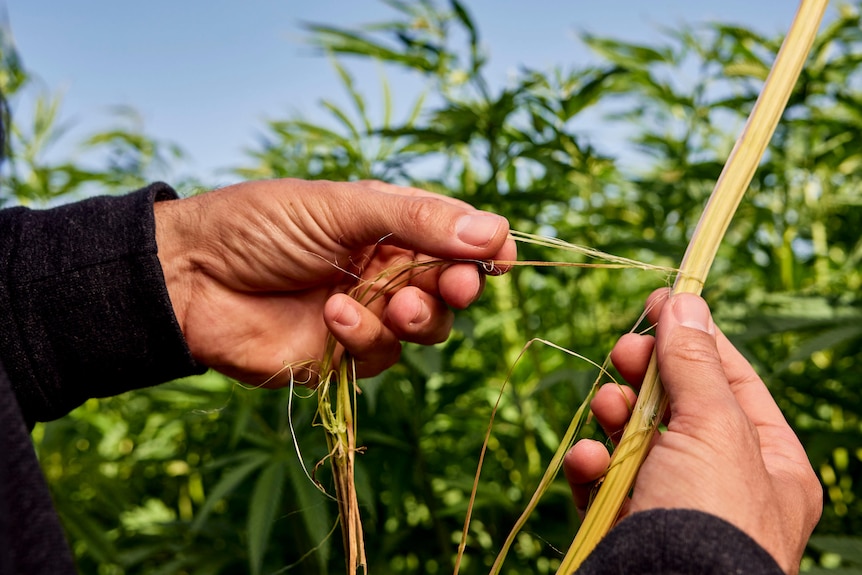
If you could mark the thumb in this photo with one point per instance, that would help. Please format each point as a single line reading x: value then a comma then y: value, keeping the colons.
x: 688, y: 360
x: 427, y: 224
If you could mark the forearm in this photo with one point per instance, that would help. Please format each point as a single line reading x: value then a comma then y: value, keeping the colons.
x: 84, y: 311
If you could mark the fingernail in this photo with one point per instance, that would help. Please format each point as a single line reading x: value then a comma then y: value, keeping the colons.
x: 691, y: 311
x: 347, y: 316
x: 477, y: 229
x: 422, y: 314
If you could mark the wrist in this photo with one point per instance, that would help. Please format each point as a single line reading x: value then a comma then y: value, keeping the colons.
x: 173, y: 246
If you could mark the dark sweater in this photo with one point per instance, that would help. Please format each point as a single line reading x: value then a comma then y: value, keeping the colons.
x: 84, y: 312
x: 677, y: 542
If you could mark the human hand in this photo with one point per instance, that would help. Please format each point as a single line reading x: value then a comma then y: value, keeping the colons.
x: 258, y: 273
x: 727, y: 450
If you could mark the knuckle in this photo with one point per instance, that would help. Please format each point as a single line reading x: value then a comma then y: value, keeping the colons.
x: 381, y: 343
x: 421, y: 212
x: 814, y: 490
x: 376, y: 339
x: 691, y: 349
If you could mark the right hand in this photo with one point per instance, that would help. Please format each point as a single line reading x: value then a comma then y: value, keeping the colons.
x: 727, y: 451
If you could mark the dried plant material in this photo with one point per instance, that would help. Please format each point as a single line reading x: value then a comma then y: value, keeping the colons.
x: 336, y: 399
x: 337, y: 391
x: 340, y: 426
x: 553, y: 467
x: 728, y: 192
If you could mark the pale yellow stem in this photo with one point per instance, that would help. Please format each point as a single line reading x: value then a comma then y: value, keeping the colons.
x: 728, y: 192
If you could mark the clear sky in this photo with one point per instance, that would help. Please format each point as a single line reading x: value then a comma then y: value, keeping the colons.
x: 205, y: 74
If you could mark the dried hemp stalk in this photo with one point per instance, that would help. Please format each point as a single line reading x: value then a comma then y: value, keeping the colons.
x: 719, y: 210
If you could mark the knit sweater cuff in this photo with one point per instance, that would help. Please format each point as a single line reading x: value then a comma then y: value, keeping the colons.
x: 84, y: 309
x: 678, y: 541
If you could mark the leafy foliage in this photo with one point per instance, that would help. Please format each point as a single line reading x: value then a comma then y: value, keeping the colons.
x: 202, y: 477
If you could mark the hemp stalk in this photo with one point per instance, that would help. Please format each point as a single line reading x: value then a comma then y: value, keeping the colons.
x: 719, y: 210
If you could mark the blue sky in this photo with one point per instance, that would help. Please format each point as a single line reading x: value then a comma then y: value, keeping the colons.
x: 206, y: 74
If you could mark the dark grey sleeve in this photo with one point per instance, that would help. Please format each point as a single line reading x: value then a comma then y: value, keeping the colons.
x: 84, y: 310
x: 678, y: 542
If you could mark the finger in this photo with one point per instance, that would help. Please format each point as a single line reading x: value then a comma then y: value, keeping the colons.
x: 584, y: 464
x: 747, y: 386
x: 461, y: 284
x: 689, y: 362
x: 631, y: 356
x: 507, y: 253
x: 372, y: 345
x: 388, y: 188
x: 458, y: 285
x: 424, y: 223
x: 417, y: 317
x: 655, y: 302
x: 612, y: 405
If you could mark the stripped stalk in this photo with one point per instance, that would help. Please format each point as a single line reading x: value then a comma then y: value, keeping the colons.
x: 728, y: 192
x: 340, y: 427
x: 336, y: 399
x: 345, y: 488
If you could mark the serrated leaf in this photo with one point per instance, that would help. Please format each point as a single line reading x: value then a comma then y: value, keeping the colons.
x: 625, y: 54
x: 264, y: 505
x: 355, y: 96
x: 848, y: 547
x: 314, y: 510
x: 343, y: 42
x: 826, y: 340
x: 342, y: 117
x: 747, y: 70
x: 587, y: 95
x: 228, y: 482
x: 88, y: 530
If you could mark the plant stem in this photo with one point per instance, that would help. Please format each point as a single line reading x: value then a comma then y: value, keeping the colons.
x: 722, y: 204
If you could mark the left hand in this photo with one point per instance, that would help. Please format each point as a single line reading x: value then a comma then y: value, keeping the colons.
x: 258, y: 272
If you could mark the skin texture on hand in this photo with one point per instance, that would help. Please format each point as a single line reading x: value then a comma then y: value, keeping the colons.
x: 727, y: 450
x: 258, y: 272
